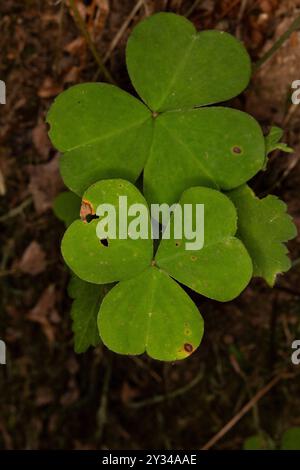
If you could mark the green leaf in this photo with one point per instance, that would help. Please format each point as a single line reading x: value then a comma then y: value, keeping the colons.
x: 172, y: 66
x: 222, y: 268
x: 291, y: 439
x: 258, y: 442
x: 217, y: 147
x: 264, y: 226
x: 272, y: 141
x: 110, y: 260
x: 87, y: 300
x: 151, y: 313
x: 66, y: 207
x: 102, y: 131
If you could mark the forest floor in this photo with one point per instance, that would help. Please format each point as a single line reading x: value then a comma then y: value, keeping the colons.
x: 51, y: 398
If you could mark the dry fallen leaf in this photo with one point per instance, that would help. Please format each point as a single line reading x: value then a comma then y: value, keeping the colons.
x: 40, y: 139
x: 44, y: 396
x: 49, y: 88
x: 76, y: 46
x: 33, y: 259
x: 128, y: 393
x: 94, y: 16
x: 43, y: 311
x: 44, y: 184
x: 71, y: 395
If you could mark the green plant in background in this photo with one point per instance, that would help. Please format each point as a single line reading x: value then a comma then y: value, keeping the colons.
x: 187, y: 153
x: 290, y: 440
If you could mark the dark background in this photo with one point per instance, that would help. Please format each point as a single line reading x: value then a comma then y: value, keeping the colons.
x: 49, y: 396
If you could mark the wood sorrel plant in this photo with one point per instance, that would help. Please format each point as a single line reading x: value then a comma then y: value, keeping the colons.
x: 188, y: 153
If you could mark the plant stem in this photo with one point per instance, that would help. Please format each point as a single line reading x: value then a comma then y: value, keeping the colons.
x: 16, y: 210
x: 294, y: 27
x: 190, y: 10
x: 261, y: 393
x: 102, y: 411
x: 122, y: 29
x: 161, y: 398
x: 87, y: 37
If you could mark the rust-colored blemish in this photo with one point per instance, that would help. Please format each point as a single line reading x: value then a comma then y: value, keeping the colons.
x: 86, y: 209
x: 188, y: 347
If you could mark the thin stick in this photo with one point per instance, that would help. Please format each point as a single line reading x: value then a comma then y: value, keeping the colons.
x: 81, y: 25
x: 16, y: 210
x: 176, y: 393
x: 242, y: 412
x: 102, y: 411
x: 296, y: 262
x: 192, y: 8
x: 294, y: 27
x: 122, y: 30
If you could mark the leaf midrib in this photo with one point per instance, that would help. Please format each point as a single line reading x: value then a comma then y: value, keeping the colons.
x: 149, y: 307
x: 107, y: 136
x: 180, y: 67
x: 195, y: 159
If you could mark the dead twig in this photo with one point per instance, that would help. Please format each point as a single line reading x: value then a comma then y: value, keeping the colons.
x: 81, y: 25
x: 280, y: 41
x: 192, y: 8
x: 242, y: 412
x: 122, y: 30
x: 102, y: 411
x: 161, y: 398
x: 16, y: 210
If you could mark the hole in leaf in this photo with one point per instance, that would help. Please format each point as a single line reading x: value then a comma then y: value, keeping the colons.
x: 91, y: 217
x: 104, y: 242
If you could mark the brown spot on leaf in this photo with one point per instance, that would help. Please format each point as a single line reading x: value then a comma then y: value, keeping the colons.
x: 188, y: 347
x: 86, y: 210
x: 236, y: 149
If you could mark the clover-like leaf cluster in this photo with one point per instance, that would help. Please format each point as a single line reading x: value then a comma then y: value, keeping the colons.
x: 188, y: 153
